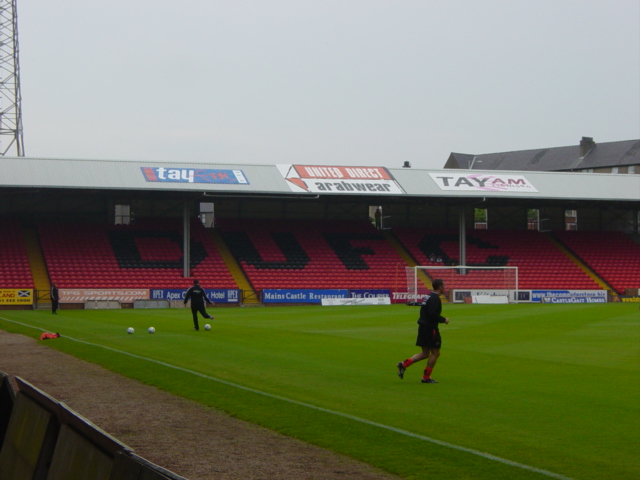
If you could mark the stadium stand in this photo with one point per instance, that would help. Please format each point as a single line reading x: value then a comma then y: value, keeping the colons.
x: 147, y: 254
x: 14, y: 261
x: 613, y: 255
x: 541, y: 265
x: 313, y: 254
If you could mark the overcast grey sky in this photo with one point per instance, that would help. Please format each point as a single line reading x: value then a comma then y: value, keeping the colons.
x: 347, y: 82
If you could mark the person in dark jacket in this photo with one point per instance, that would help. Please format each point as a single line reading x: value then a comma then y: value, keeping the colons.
x: 428, y: 333
x: 55, y: 298
x: 198, y: 297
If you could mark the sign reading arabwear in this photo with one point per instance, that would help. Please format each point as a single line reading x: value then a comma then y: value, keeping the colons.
x: 482, y: 182
x: 343, y: 180
x: 193, y: 175
x: 123, y: 295
x: 16, y: 296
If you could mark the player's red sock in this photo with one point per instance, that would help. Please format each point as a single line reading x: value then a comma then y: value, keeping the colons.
x: 407, y: 363
x: 427, y: 373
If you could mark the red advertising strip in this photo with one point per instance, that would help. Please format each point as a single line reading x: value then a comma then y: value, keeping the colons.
x: 150, y: 174
x: 79, y: 295
x: 343, y: 173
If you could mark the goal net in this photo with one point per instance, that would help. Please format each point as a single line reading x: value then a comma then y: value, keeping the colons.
x: 487, y: 284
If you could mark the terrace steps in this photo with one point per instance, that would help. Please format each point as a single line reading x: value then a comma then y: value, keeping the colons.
x: 406, y: 256
x: 601, y: 283
x: 249, y: 295
x: 37, y: 263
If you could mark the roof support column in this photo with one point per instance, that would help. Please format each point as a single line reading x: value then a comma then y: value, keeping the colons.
x: 462, y: 230
x: 186, y: 238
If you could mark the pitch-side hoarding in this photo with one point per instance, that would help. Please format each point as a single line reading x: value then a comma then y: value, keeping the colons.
x: 16, y: 296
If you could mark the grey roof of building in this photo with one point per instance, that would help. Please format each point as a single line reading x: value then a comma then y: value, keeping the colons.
x: 602, y: 155
x: 126, y: 175
x: 549, y: 185
x: 46, y: 173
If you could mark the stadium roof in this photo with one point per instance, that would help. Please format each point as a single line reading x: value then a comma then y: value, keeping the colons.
x: 587, y: 155
x: 296, y: 180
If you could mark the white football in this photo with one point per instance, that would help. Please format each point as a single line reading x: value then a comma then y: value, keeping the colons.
x: 130, y: 330
x: 151, y: 330
x: 207, y: 327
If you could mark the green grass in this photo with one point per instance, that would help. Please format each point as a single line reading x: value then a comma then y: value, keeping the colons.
x: 551, y: 387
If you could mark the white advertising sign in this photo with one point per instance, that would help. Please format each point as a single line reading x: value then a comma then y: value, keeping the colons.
x: 343, y: 180
x: 460, y: 295
x: 483, y: 182
x: 80, y: 295
x: 356, y: 301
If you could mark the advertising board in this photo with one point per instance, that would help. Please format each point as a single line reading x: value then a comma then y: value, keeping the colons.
x: 573, y: 299
x: 538, y: 295
x: 460, y: 295
x: 215, y: 295
x: 301, y: 295
x: 16, y: 296
x: 628, y: 298
x: 194, y: 175
x: 369, y: 293
x: 123, y: 295
x: 334, y: 302
x: 404, y: 297
x: 483, y: 182
x: 354, y: 180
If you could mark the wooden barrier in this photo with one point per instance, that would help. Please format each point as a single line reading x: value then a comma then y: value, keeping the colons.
x: 46, y: 440
x: 28, y: 445
x: 7, y: 399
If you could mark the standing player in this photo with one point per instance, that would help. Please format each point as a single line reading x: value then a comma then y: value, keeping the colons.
x: 55, y: 298
x: 198, y: 296
x: 428, y: 333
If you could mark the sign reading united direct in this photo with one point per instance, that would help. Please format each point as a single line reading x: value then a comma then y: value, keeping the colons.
x: 344, y: 180
x: 193, y: 175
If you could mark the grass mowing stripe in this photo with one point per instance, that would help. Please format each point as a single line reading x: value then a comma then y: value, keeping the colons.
x: 478, y: 453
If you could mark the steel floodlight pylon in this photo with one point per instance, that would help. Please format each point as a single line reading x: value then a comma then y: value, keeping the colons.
x: 10, y: 97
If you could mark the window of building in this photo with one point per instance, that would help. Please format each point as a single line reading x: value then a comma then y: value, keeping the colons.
x: 533, y: 219
x: 571, y: 219
x: 481, y: 219
x: 378, y: 219
x: 123, y: 215
x: 206, y: 214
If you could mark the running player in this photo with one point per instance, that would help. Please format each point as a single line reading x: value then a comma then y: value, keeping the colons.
x: 428, y: 333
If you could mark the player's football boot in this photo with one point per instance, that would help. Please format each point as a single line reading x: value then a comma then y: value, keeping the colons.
x: 428, y: 380
x: 401, y: 370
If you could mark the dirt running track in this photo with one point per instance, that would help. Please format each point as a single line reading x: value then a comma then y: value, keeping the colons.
x: 189, y: 439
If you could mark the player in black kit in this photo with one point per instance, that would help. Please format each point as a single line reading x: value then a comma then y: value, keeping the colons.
x: 429, y: 339
x: 198, y: 296
x: 55, y: 298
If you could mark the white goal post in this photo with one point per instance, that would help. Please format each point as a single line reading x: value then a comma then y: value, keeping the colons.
x: 477, y: 284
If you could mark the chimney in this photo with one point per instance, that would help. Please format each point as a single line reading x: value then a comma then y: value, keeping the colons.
x: 586, y: 144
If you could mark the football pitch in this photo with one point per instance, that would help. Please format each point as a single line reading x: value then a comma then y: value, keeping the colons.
x: 525, y: 392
